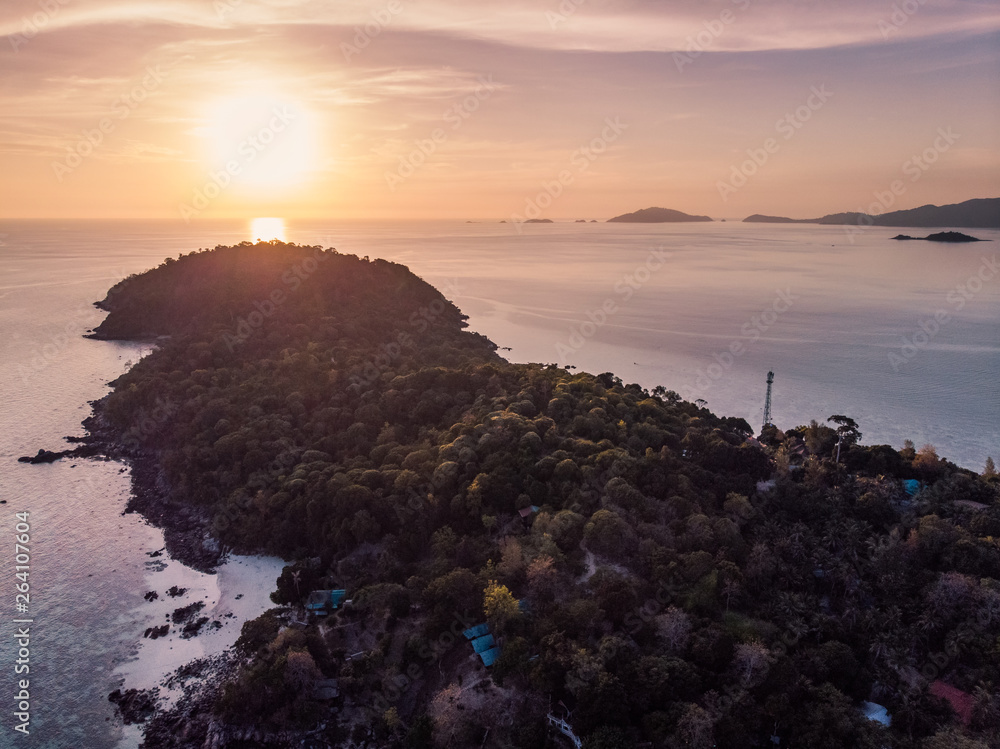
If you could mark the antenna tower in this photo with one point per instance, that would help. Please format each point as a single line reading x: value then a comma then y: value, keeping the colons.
x: 767, y: 402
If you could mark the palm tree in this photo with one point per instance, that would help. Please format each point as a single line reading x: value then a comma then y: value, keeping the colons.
x: 848, y: 429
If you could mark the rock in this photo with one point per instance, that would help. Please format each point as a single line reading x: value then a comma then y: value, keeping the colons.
x: 186, y: 613
x: 134, y: 705
x: 192, y: 629
x: 43, y: 456
x: 155, y: 632
x: 942, y: 236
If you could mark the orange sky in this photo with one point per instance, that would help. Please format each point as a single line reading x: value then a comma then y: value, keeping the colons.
x: 439, y: 109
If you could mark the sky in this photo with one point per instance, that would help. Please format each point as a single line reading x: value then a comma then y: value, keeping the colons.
x: 434, y: 109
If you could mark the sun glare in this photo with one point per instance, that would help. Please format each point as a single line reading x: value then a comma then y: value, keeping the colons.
x: 266, y: 229
x: 262, y: 141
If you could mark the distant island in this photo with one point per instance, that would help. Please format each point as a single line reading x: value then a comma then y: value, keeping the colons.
x: 539, y: 221
x: 943, y: 236
x: 981, y: 213
x: 656, y: 216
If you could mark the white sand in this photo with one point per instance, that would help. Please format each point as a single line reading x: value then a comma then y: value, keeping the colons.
x: 251, y: 578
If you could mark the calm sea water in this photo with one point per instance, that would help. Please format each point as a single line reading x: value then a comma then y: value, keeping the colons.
x: 704, y: 309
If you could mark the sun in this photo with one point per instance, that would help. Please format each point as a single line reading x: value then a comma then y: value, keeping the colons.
x: 262, y: 141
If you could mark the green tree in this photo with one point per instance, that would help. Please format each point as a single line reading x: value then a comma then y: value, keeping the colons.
x: 847, y: 431
x: 500, y: 606
x: 990, y: 471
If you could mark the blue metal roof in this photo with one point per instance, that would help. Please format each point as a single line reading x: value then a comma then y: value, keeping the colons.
x: 481, y: 644
x: 478, y: 631
x: 318, y: 599
x: 490, y: 656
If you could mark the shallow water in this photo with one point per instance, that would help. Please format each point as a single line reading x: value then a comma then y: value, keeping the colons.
x: 847, y: 307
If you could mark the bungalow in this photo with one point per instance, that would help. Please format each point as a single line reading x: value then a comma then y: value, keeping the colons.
x: 483, y: 643
x: 321, y: 602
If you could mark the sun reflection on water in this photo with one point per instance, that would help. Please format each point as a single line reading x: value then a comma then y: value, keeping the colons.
x: 266, y: 229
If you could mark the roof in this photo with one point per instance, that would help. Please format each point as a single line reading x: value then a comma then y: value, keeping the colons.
x: 318, y: 599
x: 877, y: 713
x: 525, y: 511
x: 484, y: 643
x: 911, y: 487
x: 490, y: 656
x: 961, y: 702
x: 327, y: 689
x: 478, y: 631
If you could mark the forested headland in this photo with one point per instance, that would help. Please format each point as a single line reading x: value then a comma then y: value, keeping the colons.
x: 651, y: 572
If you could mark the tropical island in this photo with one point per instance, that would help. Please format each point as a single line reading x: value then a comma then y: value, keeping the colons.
x: 656, y: 216
x: 491, y: 554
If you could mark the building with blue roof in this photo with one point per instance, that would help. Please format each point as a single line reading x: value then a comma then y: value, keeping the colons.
x: 321, y: 601
x: 478, y: 631
x: 484, y: 643
x: 490, y: 656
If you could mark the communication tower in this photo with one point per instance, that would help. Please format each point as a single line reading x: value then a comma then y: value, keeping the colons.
x: 767, y: 401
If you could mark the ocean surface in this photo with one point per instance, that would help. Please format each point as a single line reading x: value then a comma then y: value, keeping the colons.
x: 904, y: 337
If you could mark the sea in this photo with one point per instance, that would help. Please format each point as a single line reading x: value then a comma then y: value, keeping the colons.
x: 902, y: 336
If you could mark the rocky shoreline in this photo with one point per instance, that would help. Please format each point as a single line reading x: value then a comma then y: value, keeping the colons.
x: 188, y: 539
x: 186, y: 530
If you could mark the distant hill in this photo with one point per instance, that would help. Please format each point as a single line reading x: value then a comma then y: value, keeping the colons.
x: 656, y: 216
x: 981, y: 213
x: 759, y: 218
